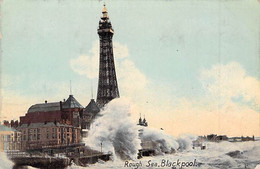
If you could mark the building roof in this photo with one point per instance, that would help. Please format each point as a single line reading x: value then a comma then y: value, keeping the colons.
x: 92, y: 107
x: 48, y: 124
x: 44, y: 107
x: 5, y: 128
x: 71, y: 102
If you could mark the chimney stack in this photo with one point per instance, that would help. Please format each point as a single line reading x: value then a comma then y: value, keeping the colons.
x: 61, y: 105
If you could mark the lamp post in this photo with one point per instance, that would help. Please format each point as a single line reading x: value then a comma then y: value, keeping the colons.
x: 101, y: 146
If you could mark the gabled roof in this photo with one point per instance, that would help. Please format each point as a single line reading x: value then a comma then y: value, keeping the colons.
x: 71, y: 102
x: 44, y: 107
x: 92, y: 107
x: 40, y: 125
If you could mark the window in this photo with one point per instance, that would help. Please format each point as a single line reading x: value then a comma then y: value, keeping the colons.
x: 52, y: 129
x: 38, y: 136
x: 47, y: 136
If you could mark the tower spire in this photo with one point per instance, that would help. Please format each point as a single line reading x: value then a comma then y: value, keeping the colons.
x: 91, y: 90
x: 104, y: 12
x: 140, y: 120
x: 107, y: 82
x: 104, y: 8
x: 70, y: 88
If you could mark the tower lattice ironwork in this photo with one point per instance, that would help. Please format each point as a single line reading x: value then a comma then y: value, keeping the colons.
x: 107, y: 82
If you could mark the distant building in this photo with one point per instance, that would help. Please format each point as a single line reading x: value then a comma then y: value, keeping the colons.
x: 235, y: 139
x: 142, y: 122
x: 247, y: 138
x: 222, y: 138
x: 89, y: 114
x: 51, y: 134
x: 211, y: 137
x: 10, y: 139
x: 13, y: 124
x: 6, y: 123
x: 216, y: 138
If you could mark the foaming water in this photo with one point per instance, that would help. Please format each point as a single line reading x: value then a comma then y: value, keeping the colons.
x: 164, y: 143
x: 216, y: 156
x: 5, y: 163
x: 116, y: 130
x: 119, y: 135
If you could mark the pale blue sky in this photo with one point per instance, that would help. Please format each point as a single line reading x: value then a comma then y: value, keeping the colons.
x: 170, y: 42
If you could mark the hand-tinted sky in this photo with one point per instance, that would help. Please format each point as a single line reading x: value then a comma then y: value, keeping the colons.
x: 172, y: 49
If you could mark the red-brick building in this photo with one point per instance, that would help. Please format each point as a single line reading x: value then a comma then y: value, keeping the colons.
x: 51, y: 124
x: 66, y: 112
x: 44, y: 135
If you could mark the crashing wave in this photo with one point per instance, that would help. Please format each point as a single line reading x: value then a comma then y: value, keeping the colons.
x: 119, y: 134
x: 5, y: 162
x: 115, y: 130
x: 163, y: 143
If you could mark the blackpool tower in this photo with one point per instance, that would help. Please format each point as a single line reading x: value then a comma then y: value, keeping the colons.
x: 107, y: 82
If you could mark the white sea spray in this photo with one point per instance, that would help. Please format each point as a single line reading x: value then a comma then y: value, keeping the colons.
x: 5, y: 163
x: 119, y: 134
x: 215, y: 156
x: 165, y: 143
x: 116, y: 130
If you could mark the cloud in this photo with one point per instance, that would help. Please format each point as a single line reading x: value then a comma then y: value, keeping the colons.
x: 227, y: 82
x: 131, y: 80
x: 87, y: 64
x: 218, y: 111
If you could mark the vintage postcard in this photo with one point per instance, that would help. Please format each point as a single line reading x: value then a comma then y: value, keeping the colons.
x: 123, y: 84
